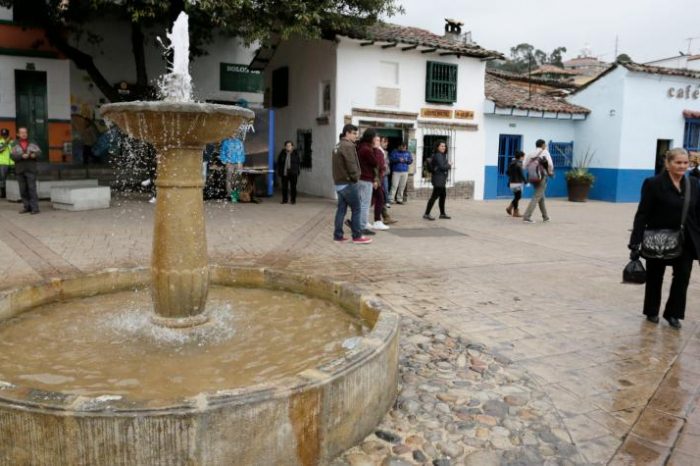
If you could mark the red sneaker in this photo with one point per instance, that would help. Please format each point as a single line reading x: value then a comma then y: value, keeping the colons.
x: 344, y: 239
x: 362, y: 240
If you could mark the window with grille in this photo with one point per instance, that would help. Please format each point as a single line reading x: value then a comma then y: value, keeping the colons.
x: 562, y: 153
x: 441, y: 83
x: 691, y: 139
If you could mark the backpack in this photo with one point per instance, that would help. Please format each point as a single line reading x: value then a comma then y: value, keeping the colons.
x: 536, y: 169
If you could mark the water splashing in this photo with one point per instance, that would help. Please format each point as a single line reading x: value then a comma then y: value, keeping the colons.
x: 176, y: 86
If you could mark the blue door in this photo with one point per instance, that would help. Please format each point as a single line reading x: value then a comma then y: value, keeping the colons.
x: 508, y: 144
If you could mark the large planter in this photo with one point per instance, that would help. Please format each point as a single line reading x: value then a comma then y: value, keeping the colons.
x: 578, y: 190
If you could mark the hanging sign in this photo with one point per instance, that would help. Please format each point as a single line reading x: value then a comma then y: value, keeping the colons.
x: 464, y: 114
x: 435, y: 113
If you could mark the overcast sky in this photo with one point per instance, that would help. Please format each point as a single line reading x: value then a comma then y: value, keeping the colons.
x: 647, y: 29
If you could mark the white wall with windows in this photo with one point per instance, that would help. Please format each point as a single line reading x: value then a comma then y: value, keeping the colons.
x: 389, y: 79
x: 310, y: 110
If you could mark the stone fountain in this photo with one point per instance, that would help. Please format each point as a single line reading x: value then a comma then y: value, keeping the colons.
x: 95, y: 389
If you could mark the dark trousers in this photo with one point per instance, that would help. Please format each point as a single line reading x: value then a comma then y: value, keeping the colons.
x: 438, y: 193
x: 289, y: 181
x: 349, y: 197
x: 675, y: 305
x: 4, y: 170
x: 516, y: 199
x: 378, y: 201
x: 27, y: 189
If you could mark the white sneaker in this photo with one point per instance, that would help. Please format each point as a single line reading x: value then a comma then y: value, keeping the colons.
x: 370, y: 226
x: 145, y: 183
x: 152, y: 200
x: 379, y: 225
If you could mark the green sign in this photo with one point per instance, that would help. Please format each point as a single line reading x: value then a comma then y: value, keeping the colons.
x: 239, y: 78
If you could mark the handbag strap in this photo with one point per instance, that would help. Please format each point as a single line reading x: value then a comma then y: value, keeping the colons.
x: 686, y: 201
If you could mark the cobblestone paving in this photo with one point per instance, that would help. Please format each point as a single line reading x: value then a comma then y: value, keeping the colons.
x: 519, y: 345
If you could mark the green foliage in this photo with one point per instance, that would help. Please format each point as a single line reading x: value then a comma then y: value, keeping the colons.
x: 579, y: 172
x: 525, y: 56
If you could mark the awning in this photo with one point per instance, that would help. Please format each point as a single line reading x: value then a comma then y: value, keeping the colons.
x: 688, y: 114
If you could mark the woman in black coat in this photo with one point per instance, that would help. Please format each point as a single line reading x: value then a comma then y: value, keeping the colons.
x: 440, y: 167
x: 661, y: 207
x: 288, y: 165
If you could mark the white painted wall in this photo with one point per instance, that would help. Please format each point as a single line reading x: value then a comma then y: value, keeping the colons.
x: 680, y: 61
x: 602, y: 132
x: 310, y: 62
x: 651, y: 114
x: 531, y: 129
x: 114, y: 58
x: 57, y: 83
x: 5, y: 14
x: 362, y: 69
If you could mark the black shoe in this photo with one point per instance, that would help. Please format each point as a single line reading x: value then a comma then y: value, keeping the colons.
x: 428, y: 217
x: 283, y: 202
x: 673, y: 322
x: 654, y: 319
x: 25, y: 211
x: 34, y: 212
x: 399, y: 202
x: 294, y: 202
x: 445, y: 216
x: 368, y: 233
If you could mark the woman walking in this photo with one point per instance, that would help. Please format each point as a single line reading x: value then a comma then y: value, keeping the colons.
x: 669, y: 202
x: 516, y: 182
x: 440, y: 167
x: 288, y: 164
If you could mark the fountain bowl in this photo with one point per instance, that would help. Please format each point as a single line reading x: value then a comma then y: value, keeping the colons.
x: 181, y: 124
x: 306, y: 419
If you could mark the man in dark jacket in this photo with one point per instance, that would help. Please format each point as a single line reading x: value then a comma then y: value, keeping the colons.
x: 346, y: 173
x: 288, y: 167
x: 25, y: 154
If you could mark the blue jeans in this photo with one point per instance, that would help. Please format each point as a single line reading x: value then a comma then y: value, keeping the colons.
x: 365, y: 188
x: 348, y: 197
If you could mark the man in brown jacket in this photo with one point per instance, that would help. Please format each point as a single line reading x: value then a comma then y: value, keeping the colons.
x: 346, y: 172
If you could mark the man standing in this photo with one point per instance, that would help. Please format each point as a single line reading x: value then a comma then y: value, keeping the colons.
x: 346, y: 173
x: 5, y: 159
x: 25, y: 154
x: 400, y: 159
x: 232, y: 155
x: 538, y: 167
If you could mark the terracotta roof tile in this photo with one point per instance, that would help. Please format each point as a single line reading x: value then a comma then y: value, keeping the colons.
x: 505, y: 94
x: 551, y: 69
x: 385, y: 32
x: 636, y: 67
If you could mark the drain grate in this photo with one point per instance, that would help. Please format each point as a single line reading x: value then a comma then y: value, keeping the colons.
x: 424, y: 232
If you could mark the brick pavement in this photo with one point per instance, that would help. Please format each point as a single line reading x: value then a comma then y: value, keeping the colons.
x: 546, y: 296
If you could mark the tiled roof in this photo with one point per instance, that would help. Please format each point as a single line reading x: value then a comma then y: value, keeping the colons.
x: 551, y: 69
x: 557, y: 83
x: 636, y: 67
x: 505, y: 94
x: 385, y: 32
x: 583, y: 61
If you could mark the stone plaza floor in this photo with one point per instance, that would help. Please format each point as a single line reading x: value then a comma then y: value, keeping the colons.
x: 519, y: 343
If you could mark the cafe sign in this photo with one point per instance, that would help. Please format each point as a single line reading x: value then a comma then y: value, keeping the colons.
x: 687, y: 92
x: 464, y: 114
x: 435, y: 113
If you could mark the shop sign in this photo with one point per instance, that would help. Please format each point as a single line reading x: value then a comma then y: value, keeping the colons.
x: 464, y: 114
x: 435, y: 113
x: 686, y: 92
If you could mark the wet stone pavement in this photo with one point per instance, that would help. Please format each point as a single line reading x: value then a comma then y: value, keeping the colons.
x: 519, y: 345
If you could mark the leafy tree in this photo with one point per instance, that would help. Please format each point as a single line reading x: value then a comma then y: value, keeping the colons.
x: 555, y: 58
x: 525, y: 56
x: 63, y: 22
x: 624, y: 58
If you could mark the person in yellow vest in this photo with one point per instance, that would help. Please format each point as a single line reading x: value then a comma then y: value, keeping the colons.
x: 5, y: 160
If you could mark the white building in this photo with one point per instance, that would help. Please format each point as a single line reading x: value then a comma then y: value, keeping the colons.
x: 518, y: 112
x: 637, y: 113
x: 410, y: 84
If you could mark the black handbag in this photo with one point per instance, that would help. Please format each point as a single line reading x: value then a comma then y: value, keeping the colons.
x: 634, y: 272
x: 667, y: 244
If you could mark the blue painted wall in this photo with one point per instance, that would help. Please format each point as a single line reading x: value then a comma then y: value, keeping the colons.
x: 612, y: 185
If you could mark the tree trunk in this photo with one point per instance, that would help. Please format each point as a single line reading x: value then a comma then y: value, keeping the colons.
x: 137, y: 47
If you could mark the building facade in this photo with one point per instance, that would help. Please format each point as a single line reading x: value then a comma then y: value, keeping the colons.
x: 34, y: 88
x: 413, y: 86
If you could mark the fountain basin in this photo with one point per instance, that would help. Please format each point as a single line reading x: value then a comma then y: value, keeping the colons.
x: 305, y: 419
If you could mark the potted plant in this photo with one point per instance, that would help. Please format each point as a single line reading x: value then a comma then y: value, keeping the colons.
x: 579, y: 179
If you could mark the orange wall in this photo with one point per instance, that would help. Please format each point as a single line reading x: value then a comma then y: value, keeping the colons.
x: 16, y: 37
x: 59, y: 132
x: 10, y: 125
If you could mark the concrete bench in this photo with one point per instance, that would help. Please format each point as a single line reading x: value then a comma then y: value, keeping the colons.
x: 43, y: 188
x: 77, y: 198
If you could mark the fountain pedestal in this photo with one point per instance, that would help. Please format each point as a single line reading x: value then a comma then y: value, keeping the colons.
x: 179, y: 131
x: 179, y: 266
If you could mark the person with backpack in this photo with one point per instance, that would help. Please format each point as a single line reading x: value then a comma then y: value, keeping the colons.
x: 439, y: 168
x: 538, y: 167
x: 516, y: 182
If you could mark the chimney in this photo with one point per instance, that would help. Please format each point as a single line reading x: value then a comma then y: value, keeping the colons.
x: 453, y: 29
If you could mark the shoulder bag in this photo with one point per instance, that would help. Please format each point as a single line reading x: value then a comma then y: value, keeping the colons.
x: 667, y: 244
